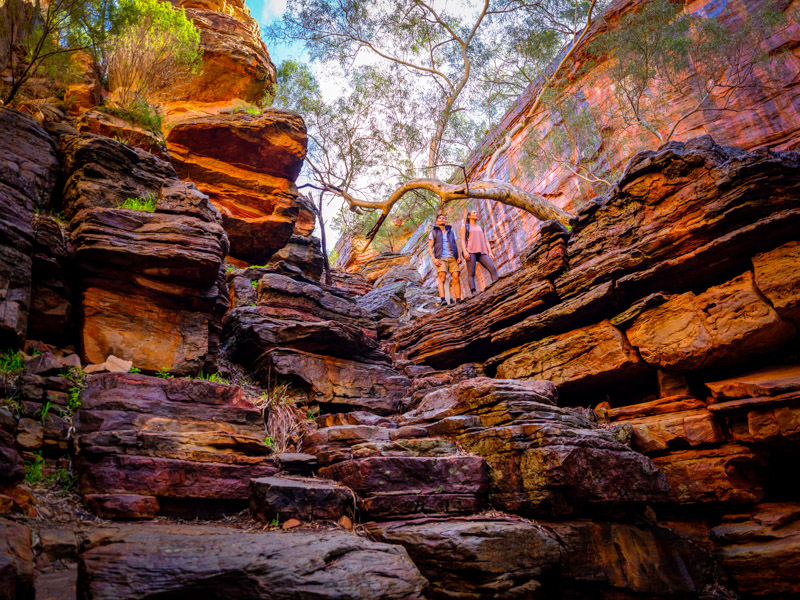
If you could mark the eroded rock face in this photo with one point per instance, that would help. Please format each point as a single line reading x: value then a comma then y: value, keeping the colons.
x: 16, y: 561
x: 313, y: 335
x: 151, y: 286
x: 28, y: 170
x: 476, y: 558
x: 761, y: 549
x: 236, y: 63
x: 154, y: 562
x: 166, y: 440
x: 247, y: 165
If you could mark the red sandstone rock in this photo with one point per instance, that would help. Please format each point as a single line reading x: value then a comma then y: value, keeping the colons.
x: 28, y: 170
x: 168, y: 438
x: 638, y: 559
x: 51, y: 296
x: 761, y: 549
x: 777, y: 277
x: 111, y: 126
x: 476, y: 558
x: 674, y: 430
x: 772, y: 381
x: 727, y: 323
x: 236, y: 64
x: 585, y: 357
x: 122, y: 506
x: 404, y: 485
x: 247, y: 165
x: 728, y: 473
x: 477, y: 396
x: 350, y: 283
x: 446, y: 338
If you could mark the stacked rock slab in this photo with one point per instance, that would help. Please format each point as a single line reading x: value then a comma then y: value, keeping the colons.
x: 416, y: 487
x: 673, y: 306
x: 286, y: 326
x: 28, y: 171
x: 147, y: 445
x: 599, y: 307
x: 151, y: 285
x: 247, y: 165
x: 236, y: 63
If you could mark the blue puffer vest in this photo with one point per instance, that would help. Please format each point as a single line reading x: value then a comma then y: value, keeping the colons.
x: 437, y: 241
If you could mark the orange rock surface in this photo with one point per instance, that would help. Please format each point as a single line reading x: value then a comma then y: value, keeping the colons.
x: 236, y: 64
x: 247, y: 165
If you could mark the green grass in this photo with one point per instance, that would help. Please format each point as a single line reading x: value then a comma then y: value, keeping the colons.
x: 164, y: 374
x: 34, y: 471
x: 142, y: 203
x: 11, y: 362
x: 61, y: 478
x: 213, y: 377
x: 134, y: 370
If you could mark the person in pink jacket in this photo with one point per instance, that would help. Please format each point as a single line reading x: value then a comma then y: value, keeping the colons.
x: 475, y: 248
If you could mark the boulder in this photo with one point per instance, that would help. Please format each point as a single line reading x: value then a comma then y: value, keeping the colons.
x: 304, y: 252
x: 385, y: 262
x: 247, y: 165
x: 473, y: 558
x: 153, y: 562
x: 390, y: 486
x: 299, y: 498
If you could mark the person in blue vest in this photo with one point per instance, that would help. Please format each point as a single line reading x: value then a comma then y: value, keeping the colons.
x: 443, y: 248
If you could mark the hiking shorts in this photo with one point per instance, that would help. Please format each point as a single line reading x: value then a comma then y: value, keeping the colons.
x: 447, y: 265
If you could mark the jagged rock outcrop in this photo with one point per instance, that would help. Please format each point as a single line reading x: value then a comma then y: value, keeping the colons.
x: 247, y: 165
x: 691, y: 228
x: 28, y: 171
x: 303, y: 252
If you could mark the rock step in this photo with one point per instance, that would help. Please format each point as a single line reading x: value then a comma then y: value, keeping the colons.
x: 411, y: 485
x: 300, y: 498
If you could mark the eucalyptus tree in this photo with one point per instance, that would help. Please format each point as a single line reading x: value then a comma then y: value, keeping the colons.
x: 432, y: 63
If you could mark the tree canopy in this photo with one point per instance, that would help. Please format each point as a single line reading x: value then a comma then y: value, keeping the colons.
x: 424, y: 84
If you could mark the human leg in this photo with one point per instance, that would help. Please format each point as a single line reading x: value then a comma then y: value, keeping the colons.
x: 473, y: 257
x: 488, y: 264
x: 455, y: 282
x: 442, y: 275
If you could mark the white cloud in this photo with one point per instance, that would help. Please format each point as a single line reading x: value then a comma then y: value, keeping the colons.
x: 273, y: 9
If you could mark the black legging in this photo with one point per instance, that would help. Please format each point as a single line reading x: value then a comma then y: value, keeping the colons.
x: 486, y: 262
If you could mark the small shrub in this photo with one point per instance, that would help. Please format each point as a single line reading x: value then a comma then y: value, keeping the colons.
x: 63, y: 479
x: 163, y: 374
x: 34, y: 471
x: 142, y: 203
x: 269, y: 442
x: 254, y: 284
x: 138, y: 112
x: 11, y: 367
x: 134, y: 370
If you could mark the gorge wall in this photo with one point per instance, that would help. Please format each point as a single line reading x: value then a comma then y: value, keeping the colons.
x: 616, y: 418
x: 761, y: 118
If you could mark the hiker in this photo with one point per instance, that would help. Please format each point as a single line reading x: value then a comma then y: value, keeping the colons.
x: 476, y: 249
x: 443, y: 249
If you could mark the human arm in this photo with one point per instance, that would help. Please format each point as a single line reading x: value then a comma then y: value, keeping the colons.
x: 430, y: 251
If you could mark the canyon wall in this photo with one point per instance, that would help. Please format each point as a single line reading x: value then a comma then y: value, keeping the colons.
x: 762, y: 118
